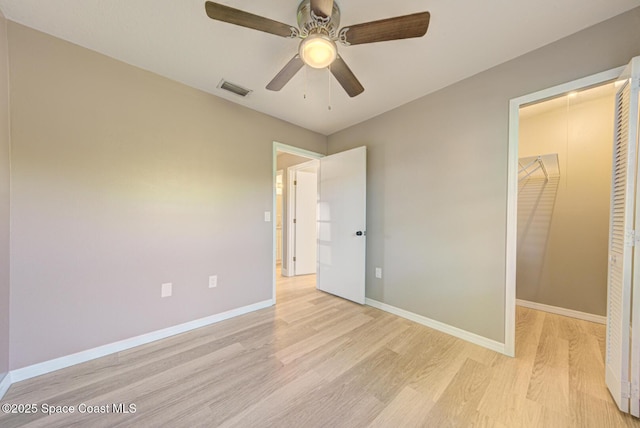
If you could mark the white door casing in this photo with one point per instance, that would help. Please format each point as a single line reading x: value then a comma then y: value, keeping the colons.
x: 342, y: 224
x: 305, y: 228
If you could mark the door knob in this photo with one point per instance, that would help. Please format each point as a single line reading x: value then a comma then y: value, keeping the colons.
x: 360, y: 233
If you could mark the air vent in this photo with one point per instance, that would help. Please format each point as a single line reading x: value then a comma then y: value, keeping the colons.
x: 232, y: 87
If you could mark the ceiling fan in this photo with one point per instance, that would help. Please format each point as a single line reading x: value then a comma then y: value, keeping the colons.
x: 318, y: 27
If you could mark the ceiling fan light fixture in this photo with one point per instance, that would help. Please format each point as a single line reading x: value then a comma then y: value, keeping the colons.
x: 318, y: 51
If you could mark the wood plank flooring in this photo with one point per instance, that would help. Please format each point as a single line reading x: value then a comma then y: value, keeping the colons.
x: 315, y: 360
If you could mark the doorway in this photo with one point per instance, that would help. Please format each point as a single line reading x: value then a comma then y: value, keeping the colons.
x: 288, y: 162
x: 515, y: 166
x: 564, y: 187
x: 341, y: 220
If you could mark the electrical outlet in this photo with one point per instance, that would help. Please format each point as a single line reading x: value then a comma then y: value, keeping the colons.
x: 166, y: 289
x: 213, y: 281
x: 378, y: 272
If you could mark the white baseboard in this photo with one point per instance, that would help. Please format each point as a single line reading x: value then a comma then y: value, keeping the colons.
x: 562, y: 311
x: 5, y: 383
x: 285, y: 272
x: 440, y: 326
x: 90, y: 354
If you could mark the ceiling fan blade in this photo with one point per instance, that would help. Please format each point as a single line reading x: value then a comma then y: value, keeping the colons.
x: 228, y: 14
x: 400, y: 27
x: 322, y: 8
x: 283, y: 77
x: 345, y: 77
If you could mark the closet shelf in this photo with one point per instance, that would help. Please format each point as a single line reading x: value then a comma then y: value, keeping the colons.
x: 539, y: 166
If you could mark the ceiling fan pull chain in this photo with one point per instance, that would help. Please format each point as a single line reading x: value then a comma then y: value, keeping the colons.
x: 306, y: 83
x: 329, y: 74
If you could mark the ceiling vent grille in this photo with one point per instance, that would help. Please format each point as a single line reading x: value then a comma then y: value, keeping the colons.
x: 233, y: 88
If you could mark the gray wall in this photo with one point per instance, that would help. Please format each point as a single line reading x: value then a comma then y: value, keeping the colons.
x: 563, y: 223
x: 437, y: 183
x: 4, y: 200
x: 123, y: 180
x: 285, y: 160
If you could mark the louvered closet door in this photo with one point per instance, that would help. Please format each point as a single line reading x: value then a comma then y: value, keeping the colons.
x: 621, y: 240
x: 633, y: 88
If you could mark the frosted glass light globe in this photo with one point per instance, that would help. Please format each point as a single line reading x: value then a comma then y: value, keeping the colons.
x: 318, y: 51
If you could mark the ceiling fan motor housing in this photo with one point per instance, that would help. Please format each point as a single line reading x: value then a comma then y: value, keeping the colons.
x: 310, y: 23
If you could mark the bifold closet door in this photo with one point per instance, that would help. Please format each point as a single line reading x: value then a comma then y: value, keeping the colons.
x: 621, y: 243
x: 632, y: 85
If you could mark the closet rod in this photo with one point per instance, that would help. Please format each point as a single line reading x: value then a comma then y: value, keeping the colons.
x: 540, y: 163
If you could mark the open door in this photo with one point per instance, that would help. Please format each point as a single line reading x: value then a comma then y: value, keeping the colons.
x: 342, y: 224
x: 622, y: 241
x: 306, y: 202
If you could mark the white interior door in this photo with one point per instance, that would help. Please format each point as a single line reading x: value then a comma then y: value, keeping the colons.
x: 306, y: 203
x: 622, y: 241
x: 342, y: 224
x: 631, y: 91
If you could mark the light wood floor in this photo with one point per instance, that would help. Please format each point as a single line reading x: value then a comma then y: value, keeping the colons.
x: 315, y: 360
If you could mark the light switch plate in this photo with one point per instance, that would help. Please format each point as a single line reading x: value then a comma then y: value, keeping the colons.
x: 167, y: 289
x: 267, y: 216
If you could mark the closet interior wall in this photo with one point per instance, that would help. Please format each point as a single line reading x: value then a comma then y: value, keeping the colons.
x: 563, y: 221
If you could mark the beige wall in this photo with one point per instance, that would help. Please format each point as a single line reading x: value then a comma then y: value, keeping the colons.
x: 562, y: 257
x: 285, y: 160
x: 123, y: 180
x: 437, y: 180
x: 4, y: 200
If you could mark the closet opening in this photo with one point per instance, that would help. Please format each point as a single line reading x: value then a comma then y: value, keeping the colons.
x: 565, y: 151
x: 558, y: 202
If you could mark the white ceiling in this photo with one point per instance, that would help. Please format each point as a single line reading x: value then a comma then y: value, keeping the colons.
x: 177, y: 40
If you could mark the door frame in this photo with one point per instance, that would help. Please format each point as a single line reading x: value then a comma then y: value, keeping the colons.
x: 291, y: 208
x: 280, y: 147
x: 279, y: 173
x: 512, y: 187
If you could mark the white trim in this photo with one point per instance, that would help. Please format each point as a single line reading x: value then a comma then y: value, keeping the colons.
x: 284, y: 271
x: 512, y: 189
x: 440, y: 326
x: 280, y: 174
x: 562, y: 311
x: 290, y: 207
x: 5, y: 384
x: 279, y: 147
x: 292, y: 195
x: 90, y: 354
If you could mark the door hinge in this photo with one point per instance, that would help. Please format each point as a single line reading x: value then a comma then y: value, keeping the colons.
x: 294, y: 258
x: 626, y: 389
x: 631, y: 238
x: 294, y: 221
x: 295, y: 182
x: 635, y: 391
